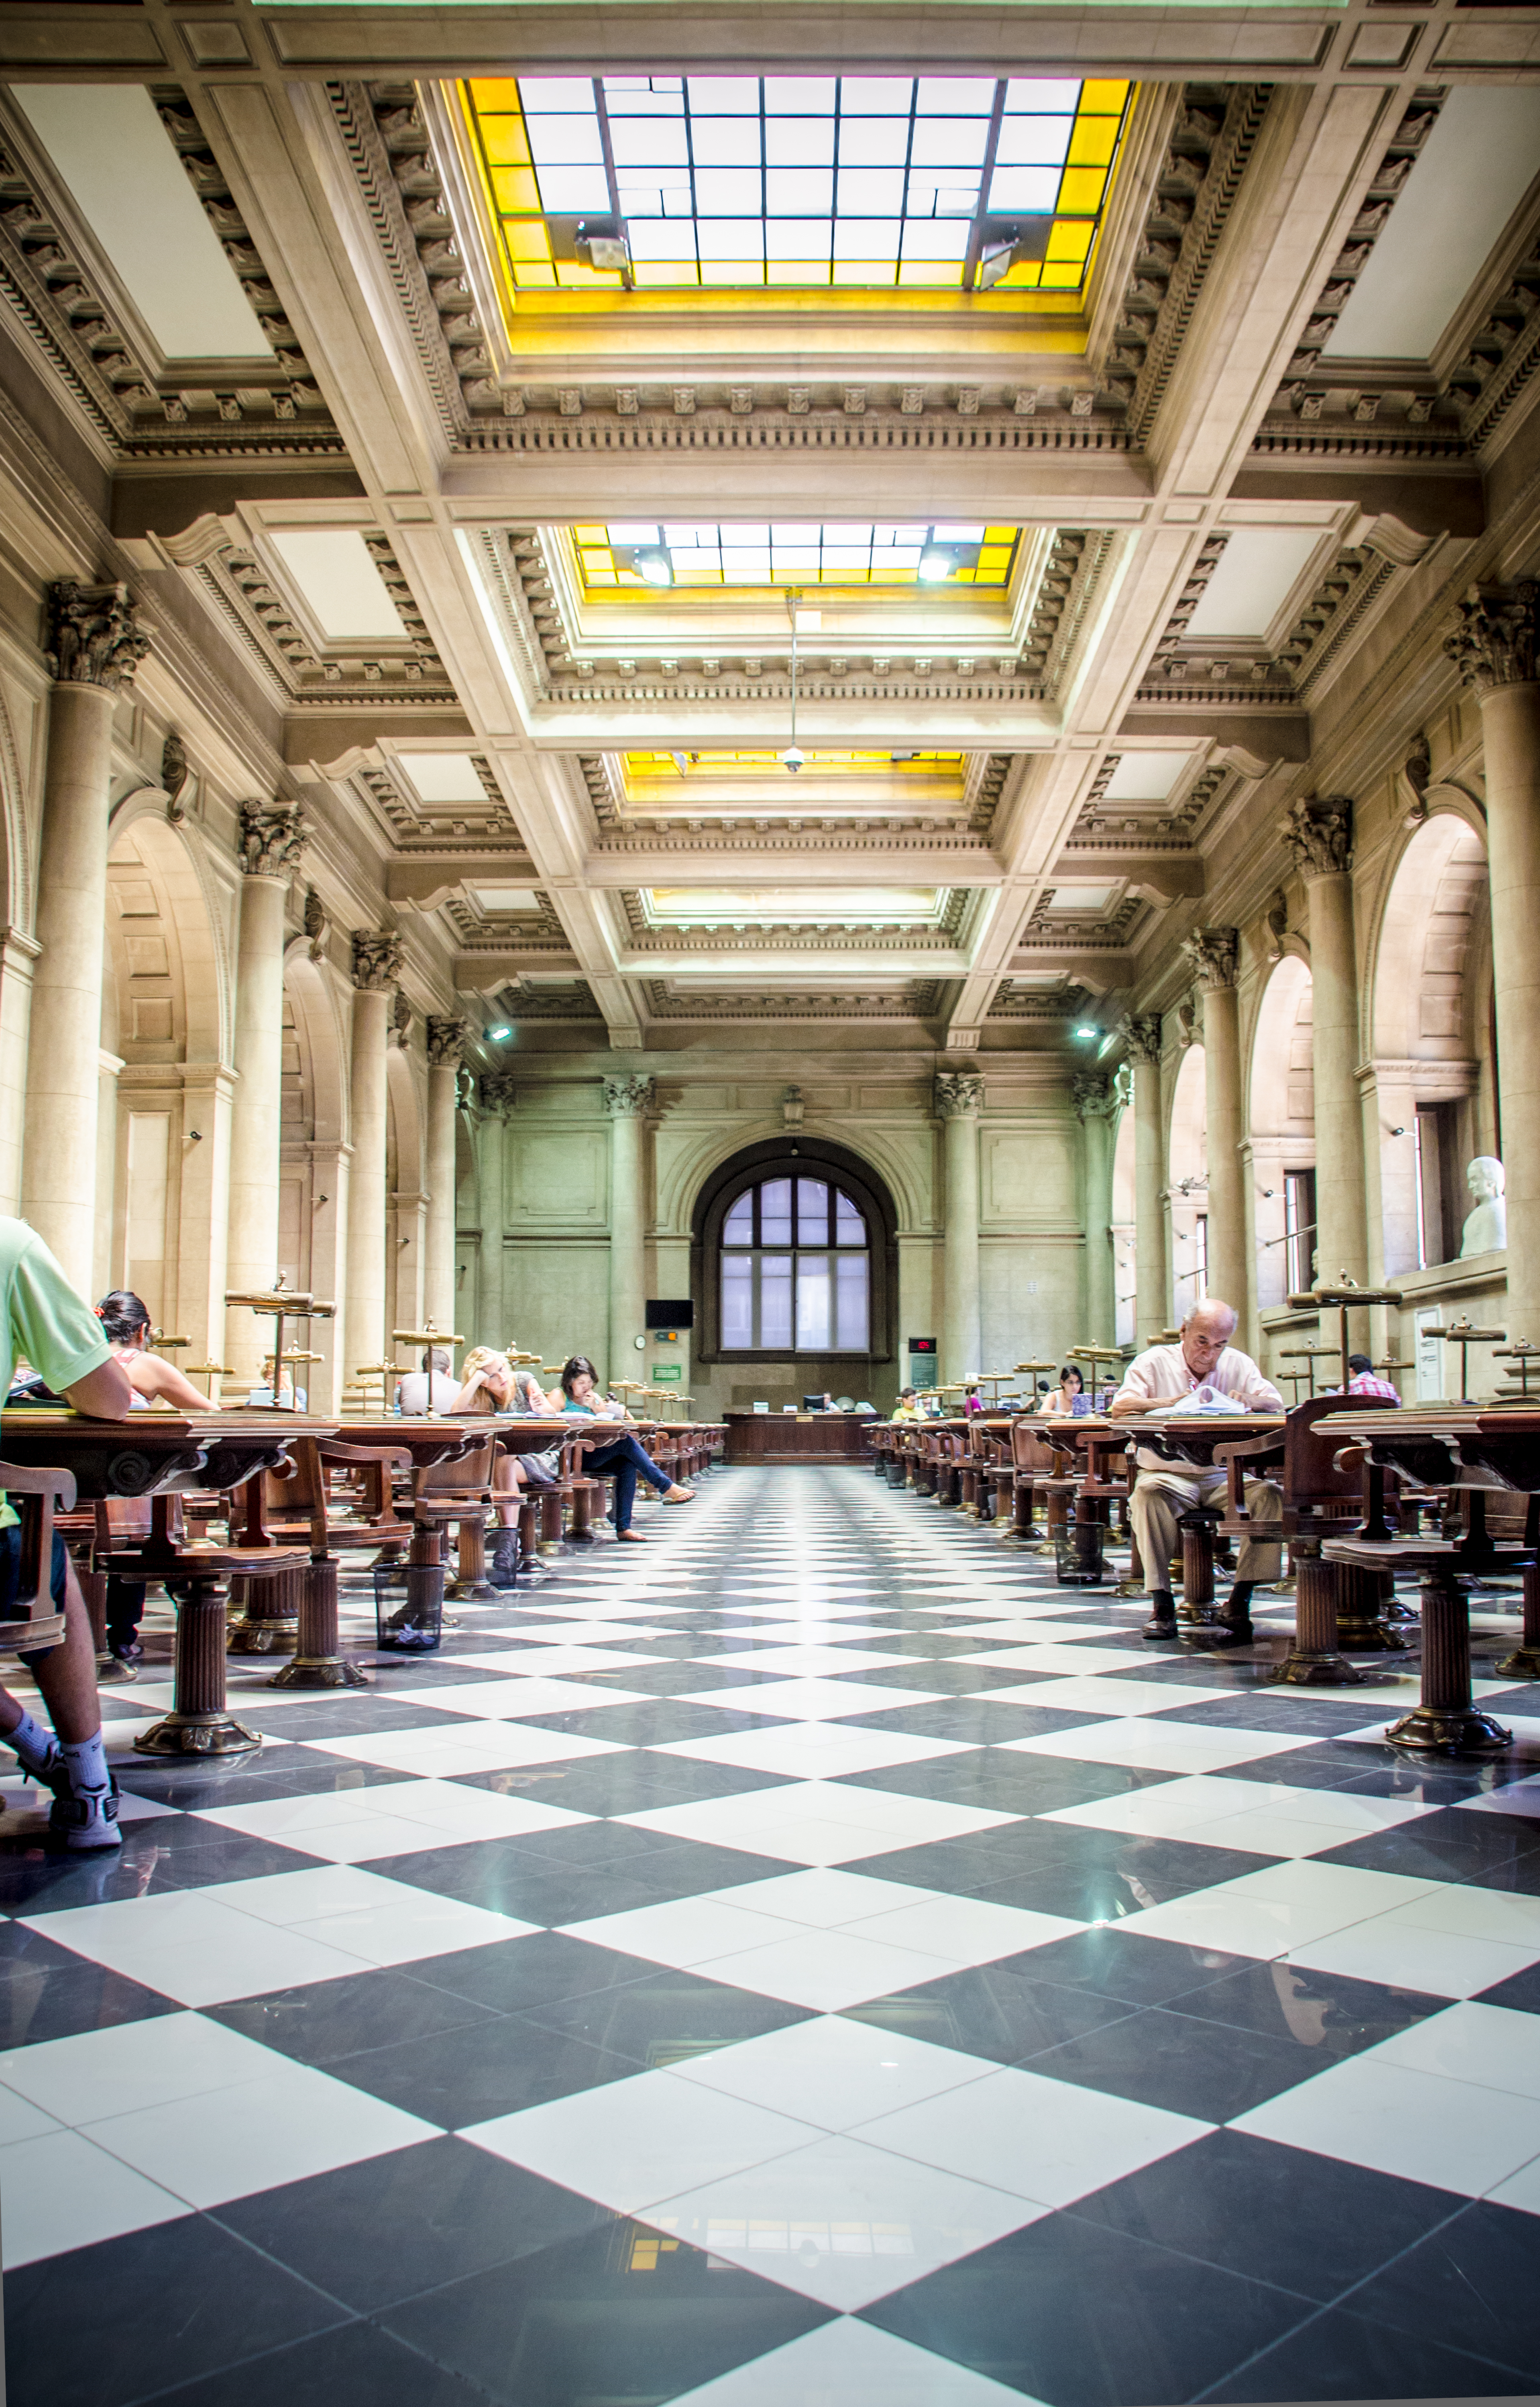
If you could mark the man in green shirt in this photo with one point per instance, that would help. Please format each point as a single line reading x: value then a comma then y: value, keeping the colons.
x: 44, y: 1320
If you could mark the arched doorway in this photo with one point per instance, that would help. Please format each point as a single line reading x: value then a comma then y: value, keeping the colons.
x: 793, y: 1276
x: 1281, y: 1145
x: 1434, y: 1048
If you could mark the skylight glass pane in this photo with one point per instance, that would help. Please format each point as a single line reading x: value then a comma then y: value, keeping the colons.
x: 793, y: 553
x: 725, y: 180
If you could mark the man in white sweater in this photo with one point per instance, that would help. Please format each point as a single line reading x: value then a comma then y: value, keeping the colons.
x: 1203, y: 1365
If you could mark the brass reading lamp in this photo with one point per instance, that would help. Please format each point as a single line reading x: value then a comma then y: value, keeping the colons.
x: 1527, y: 1355
x: 281, y: 1304
x: 1463, y: 1333
x: 1348, y: 1296
x: 160, y: 1344
x: 1093, y: 1355
x: 1036, y: 1370
x: 1309, y: 1354
x: 427, y: 1336
x: 380, y: 1370
x: 212, y: 1372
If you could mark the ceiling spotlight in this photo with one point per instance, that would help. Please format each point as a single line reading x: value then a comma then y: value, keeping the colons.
x: 605, y: 249
x: 496, y: 1036
x: 791, y: 759
x: 996, y: 260
x: 654, y: 564
x: 1088, y: 1033
x: 937, y: 563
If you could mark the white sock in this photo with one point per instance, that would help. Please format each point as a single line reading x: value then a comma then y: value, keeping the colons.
x: 35, y: 1748
x: 87, y: 1763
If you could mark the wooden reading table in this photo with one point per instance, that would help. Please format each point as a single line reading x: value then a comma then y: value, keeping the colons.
x: 1188, y: 1443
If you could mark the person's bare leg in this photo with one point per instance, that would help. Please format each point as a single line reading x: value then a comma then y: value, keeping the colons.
x: 84, y: 1817
x: 66, y: 1675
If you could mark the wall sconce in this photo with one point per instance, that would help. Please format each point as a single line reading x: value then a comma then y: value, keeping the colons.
x: 1398, y: 1131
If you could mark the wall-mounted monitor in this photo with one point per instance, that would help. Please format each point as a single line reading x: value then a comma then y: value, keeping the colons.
x: 670, y: 1312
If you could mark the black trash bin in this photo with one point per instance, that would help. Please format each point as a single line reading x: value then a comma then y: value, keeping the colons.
x: 408, y: 1607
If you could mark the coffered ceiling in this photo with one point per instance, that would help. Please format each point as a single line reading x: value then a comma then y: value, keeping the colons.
x: 835, y: 534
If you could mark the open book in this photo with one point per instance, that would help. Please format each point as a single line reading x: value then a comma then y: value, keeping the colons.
x: 1203, y: 1403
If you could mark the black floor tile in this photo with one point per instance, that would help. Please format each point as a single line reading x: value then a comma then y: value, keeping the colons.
x: 978, y: 1721
x: 992, y: 2012
x: 355, y: 1716
x: 957, y: 1867
x: 358, y: 2362
x: 1308, y: 2223
x: 689, y: 1867
x: 1103, y: 1884
x: 1347, y: 2357
x: 1326, y: 2012
x: 278, y: 1770
x: 97, y: 2328
x: 494, y: 2065
x: 1493, y: 1850
x: 38, y: 1882
x: 942, y: 1678
x: 43, y: 2000
x: 1211, y: 2070
x: 375, y: 2233
x: 1521, y: 1991
x: 1080, y: 2317
x: 1470, y: 2284
x: 589, y: 1847
x: 1121, y: 1964
x: 660, y: 1723
x: 667, y: 2018
x: 615, y: 2317
x: 495, y: 1873
x: 203, y: 1853
x: 322, y: 2021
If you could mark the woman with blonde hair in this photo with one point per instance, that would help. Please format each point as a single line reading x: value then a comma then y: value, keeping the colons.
x: 490, y: 1384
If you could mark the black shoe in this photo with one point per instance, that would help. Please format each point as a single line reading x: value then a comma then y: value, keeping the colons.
x: 504, y: 1569
x: 1162, y: 1619
x: 1232, y: 1633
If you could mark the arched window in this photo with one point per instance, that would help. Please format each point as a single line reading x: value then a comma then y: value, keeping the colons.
x: 795, y: 1270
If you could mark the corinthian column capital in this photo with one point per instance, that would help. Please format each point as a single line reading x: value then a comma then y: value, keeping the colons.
x: 1318, y: 835
x: 445, y: 1041
x: 377, y: 958
x: 273, y: 837
x: 959, y: 1094
x: 1141, y: 1032
x: 92, y: 637
x: 1097, y: 1096
x: 1495, y: 638
x: 629, y: 1098
x: 498, y: 1089
x: 1215, y: 956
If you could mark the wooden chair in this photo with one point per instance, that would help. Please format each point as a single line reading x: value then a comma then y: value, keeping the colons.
x: 1322, y: 1496
x: 33, y: 1622
x: 461, y: 1492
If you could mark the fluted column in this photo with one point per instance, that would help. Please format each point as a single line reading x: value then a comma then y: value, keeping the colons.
x: 1152, y: 1299
x: 959, y: 1102
x: 93, y: 650
x: 1097, y: 1101
x: 446, y: 1051
x: 627, y: 1101
x: 1319, y: 836
x: 499, y: 1309
x: 272, y: 843
x: 377, y: 958
x: 1497, y: 646
x: 1215, y: 953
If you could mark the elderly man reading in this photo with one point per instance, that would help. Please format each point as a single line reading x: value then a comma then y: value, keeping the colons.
x: 1203, y: 1365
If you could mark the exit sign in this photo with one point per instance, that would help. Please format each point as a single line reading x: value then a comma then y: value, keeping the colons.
x: 667, y: 1374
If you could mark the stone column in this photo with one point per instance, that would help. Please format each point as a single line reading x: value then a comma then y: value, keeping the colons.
x: 1152, y: 1302
x: 1496, y: 643
x: 93, y: 650
x: 628, y: 1102
x: 377, y: 958
x: 498, y: 1308
x: 272, y: 843
x: 1319, y: 836
x: 446, y: 1051
x: 959, y: 1102
x: 1097, y: 1101
x: 1215, y: 953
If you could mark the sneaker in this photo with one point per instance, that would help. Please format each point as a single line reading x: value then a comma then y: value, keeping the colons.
x: 88, y: 1825
x: 504, y: 1570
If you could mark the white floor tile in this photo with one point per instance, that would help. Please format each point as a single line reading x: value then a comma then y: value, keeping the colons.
x: 60, y: 2193
x: 1089, y: 1695
x: 1279, y: 1911
x: 392, y: 1818
x: 835, y: 2072
x: 967, y: 1929
x: 1048, y: 2141
x: 1476, y: 1913
x: 1400, y: 2120
x: 826, y: 1969
x: 1404, y: 1956
x: 847, y: 2363
x: 224, y: 2143
x: 1519, y: 1799
x: 1198, y: 1807
x: 1521, y: 2189
x: 554, y: 1662
x: 634, y: 2141
x: 814, y: 1750
x: 842, y: 2221
x: 683, y: 1931
x: 813, y: 1700
x: 132, y: 2065
x: 823, y: 1900
x: 455, y: 1748
x: 1490, y: 2045
x: 20, y: 2120
x: 1069, y: 1659
x: 189, y: 1946
x: 1144, y: 1746
x: 817, y: 1821
x: 574, y: 1627
x: 504, y: 1700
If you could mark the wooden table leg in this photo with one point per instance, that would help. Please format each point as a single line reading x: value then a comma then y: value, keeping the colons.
x: 199, y: 1722
x: 1197, y: 1597
x: 1315, y: 1660
x: 551, y: 1520
x: 1084, y: 1538
x: 270, y: 1622
x: 318, y: 1660
x: 580, y: 1525
x: 1446, y: 1722
x: 1524, y: 1662
x: 471, y: 1582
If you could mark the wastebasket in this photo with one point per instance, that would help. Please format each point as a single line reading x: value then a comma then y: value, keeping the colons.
x: 408, y: 1607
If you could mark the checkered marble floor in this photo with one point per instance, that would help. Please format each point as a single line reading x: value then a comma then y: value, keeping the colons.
x: 813, y: 1961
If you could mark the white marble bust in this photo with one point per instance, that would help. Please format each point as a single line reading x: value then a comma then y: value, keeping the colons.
x: 1486, y: 1227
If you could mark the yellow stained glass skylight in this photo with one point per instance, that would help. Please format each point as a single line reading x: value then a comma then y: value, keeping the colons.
x: 691, y: 183
x: 642, y: 766
x: 639, y: 555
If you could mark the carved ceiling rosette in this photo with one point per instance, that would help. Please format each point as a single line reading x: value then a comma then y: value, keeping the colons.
x: 628, y: 1098
x: 1496, y: 640
x: 446, y: 1039
x: 959, y: 1094
x: 273, y: 837
x: 1318, y: 835
x: 1215, y: 956
x: 93, y: 637
x: 377, y: 958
